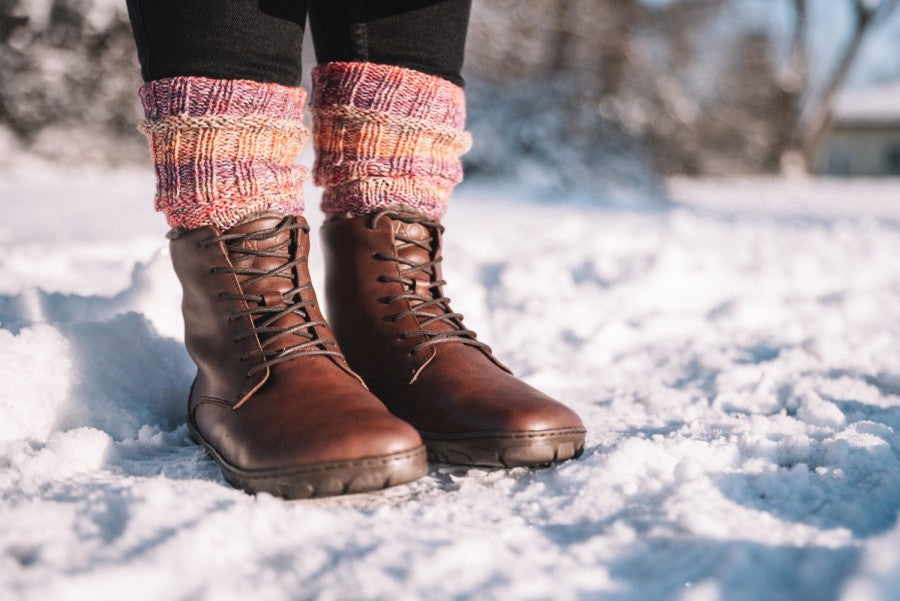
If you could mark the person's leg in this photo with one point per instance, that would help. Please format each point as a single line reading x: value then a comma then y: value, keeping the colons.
x: 224, y: 113
x: 274, y: 401
x: 388, y: 115
x: 256, y: 40
x: 387, y: 103
x: 392, y: 33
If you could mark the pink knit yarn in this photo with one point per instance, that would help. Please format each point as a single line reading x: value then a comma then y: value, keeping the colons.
x: 224, y: 149
x: 386, y: 135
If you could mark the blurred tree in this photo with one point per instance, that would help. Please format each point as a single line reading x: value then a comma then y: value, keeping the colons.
x: 625, y: 65
x: 806, y: 111
x: 578, y: 87
x: 706, y: 91
x: 68, y: 77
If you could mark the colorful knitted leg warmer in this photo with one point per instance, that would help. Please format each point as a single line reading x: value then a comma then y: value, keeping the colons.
x: 386, y: 136
x: 224, y: 149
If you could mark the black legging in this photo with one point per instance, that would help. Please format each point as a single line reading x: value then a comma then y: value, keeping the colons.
x: 261, y: 40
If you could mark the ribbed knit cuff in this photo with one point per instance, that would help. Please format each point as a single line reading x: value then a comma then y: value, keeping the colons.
x: 224, y: 149
x: 386, y: 136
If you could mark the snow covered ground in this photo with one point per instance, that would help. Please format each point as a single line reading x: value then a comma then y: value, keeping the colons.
x: 736, y: 359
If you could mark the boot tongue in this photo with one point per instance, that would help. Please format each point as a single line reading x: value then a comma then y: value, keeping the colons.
x: 417, y: 255
x: 260, y: 224
x: 287, y: 245
x: 428, y: 236
x: 279, y: 243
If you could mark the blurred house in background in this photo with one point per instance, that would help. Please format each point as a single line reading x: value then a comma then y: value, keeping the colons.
x: 865, y: 134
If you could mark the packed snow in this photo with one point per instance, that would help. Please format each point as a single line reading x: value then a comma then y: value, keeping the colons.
x: 735, y: 356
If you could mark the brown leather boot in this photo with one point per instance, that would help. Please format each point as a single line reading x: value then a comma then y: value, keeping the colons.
x: 274, y: 402
x: 385, y: 301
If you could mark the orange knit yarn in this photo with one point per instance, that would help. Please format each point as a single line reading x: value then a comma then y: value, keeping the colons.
x: 386, y: 135
x: 224, y: 149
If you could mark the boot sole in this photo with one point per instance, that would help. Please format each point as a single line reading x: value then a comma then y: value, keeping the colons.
x: 326, y: 479
x: 505, y: 449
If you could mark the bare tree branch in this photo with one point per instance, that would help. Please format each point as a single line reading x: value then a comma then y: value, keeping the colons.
x: 793, y: 83
x: 811, y: 131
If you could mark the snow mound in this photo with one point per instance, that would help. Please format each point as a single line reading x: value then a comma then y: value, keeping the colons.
x: 116, y: 375
x: 878, y: 576
x: 737, y: 366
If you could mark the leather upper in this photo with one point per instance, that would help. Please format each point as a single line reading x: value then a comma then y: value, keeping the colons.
x: 304, y: 410
x: 450, y: 387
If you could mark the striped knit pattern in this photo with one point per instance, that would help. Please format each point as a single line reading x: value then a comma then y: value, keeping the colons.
x: 386, y: 136
x: 224, y: 149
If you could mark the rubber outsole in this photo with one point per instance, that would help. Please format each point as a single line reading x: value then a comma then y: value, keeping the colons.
x: 505, y: 449
x: 367, y: 474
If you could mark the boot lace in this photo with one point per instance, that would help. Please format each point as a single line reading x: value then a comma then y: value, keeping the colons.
x: 264, y: 317
x: 420, y: 302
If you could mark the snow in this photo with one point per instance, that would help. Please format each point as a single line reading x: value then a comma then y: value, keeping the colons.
x: 736, y: 358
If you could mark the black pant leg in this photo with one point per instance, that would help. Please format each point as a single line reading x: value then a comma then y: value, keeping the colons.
x: 259, y: 40
x: 425, y: 35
